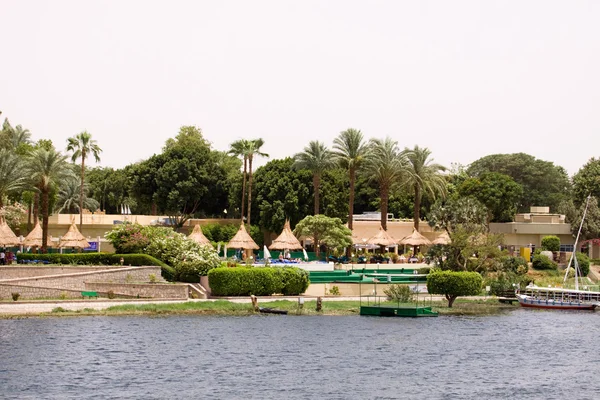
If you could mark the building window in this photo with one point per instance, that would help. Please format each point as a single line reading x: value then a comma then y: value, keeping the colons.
x: 566, y: 247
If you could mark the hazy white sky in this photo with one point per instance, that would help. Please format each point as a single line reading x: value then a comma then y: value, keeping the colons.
x: 464, y: 78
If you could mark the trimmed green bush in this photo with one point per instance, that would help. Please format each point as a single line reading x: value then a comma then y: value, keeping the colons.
x: 551, y: 243
x: 134, y: 260
x: 541, y: 262
x: 401, y: 293
x: 424, y: 270
x: 294, y: 280
x: 452, y: 284
x: 258, y: 281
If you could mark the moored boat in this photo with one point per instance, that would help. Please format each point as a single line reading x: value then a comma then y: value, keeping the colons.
x: 558, y: 298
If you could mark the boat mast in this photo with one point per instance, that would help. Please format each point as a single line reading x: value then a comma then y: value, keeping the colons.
x: 573, y: 255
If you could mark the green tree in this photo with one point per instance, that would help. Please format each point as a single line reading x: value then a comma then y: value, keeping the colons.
x: 350, y: 150
x: 239, y: 148
x: 498, y: 192
x: 68, y: 200
x: 12, y: 178
x: 587, y: 181
x: 456, y: 212
x: 281, y: 192
x: 423, y: 177
x: 543, y: 183
x: 551, y: 243
x: 317, y: 159
x: 324, y: 230
x: 334, y: 193
x: 110, y: 187
x: 46, y: 169
x: 452, y: 284
x: 252, y: 149
x: 17, y: 139
x: 385, y: 165
x: 82, y: 145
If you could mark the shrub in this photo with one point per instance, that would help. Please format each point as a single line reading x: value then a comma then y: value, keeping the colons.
x: 423, y: 270
x: 516, y: 265
x: 152, y: 278
x: 584, y: 263
x: 551, y: 243
x: 110, y: 294
x: 62, y: 295
x: 452, y: 284
x: 294, y: 280
x: 335, y: 291
x: 401, y: 293
x: 541, y: 262
x: 264, y: 281
x: 15, y: 296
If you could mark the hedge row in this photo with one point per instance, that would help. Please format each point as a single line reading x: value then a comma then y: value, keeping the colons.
x: 102, y: 259
x: 258, y: 281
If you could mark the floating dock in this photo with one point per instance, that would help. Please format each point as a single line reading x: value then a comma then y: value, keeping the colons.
x: 391, y: 311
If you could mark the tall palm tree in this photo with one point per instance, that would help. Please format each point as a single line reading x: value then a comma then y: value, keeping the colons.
x: 12, y: 177
x: 68, y: 198
x: 239, y: 148
x: 423, y: 177
x: 82, y: 145
x: 252, y: 150
x: 47, y: 168
x: 384, y: 165
x: 350, y: 151
x: 12, y: 138
x: 316, y: 158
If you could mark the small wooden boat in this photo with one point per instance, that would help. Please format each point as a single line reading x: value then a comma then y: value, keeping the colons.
x: 266, y: 310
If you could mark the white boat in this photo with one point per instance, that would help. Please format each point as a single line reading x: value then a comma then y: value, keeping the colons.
x: 562, y: 298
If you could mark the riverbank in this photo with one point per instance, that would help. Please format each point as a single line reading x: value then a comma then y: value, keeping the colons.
x: 233, y: 307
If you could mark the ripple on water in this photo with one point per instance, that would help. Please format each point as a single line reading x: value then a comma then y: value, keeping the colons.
x: 523, y: 354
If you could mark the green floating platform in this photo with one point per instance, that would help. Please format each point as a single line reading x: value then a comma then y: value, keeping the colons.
x: 386, y: 311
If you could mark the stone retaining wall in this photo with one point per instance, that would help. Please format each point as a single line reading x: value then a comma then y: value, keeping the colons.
x: 142, y: 290
x: 33, y: 292
x: 76, y: 281
x: 14, y: 272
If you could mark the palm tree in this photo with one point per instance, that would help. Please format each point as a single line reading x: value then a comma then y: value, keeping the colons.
x: 316, y: 158
x: 239, y: 148
x: 47, y: 168
x: 423, y: 178
x: 68, y: 198
x: 384, y: 165
x: 350, y: 151
x: 252, y: 149
x: 82, y: 145
x: 12, y: 178
x: 12, y: 138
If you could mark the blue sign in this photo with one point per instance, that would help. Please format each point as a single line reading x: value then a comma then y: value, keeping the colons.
x: 93, y: 246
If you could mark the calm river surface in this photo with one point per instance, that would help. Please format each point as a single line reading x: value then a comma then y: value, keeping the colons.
x: 524, y: 354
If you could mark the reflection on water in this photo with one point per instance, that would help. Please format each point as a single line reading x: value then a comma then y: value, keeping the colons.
x: 524, y: 354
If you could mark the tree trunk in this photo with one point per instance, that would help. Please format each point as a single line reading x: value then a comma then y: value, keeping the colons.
x: 417, y: 209
x: 36, y: 207
x: 154, y: 209
x: 316, y: 185
x: 351, y: 201
x: 29, y: 215
x: 81, y: 191
x: 244, y: 186
x: 249, y: 189
x: 450, y: 299
x: 317, y: 246
x: 384, y: 193
x: 45, y: 201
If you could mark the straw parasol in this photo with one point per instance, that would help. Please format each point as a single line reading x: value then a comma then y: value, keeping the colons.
x: 7, y: 236
x: 34, y: 239
x: 415, y: 239
x: 198, y: 237
x: 444, y: 238
x: 286, y: 240
x: 382, y: 238
x: 73, y: 238
x: 242, y: 240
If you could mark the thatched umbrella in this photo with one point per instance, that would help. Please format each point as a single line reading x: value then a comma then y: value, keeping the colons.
x: 286, y: 240
x: 382, y: 238
x: 242, y: 240
x: 73, y: 238
x: 7, y: 236
x: 444, y: 238
x: 415, y: 239
x: 198, y: 237
x: 34, y: 238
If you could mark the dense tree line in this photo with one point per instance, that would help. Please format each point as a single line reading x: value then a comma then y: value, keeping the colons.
x: 189, y: 178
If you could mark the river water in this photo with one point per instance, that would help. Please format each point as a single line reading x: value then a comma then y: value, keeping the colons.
x: 523, y: 354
